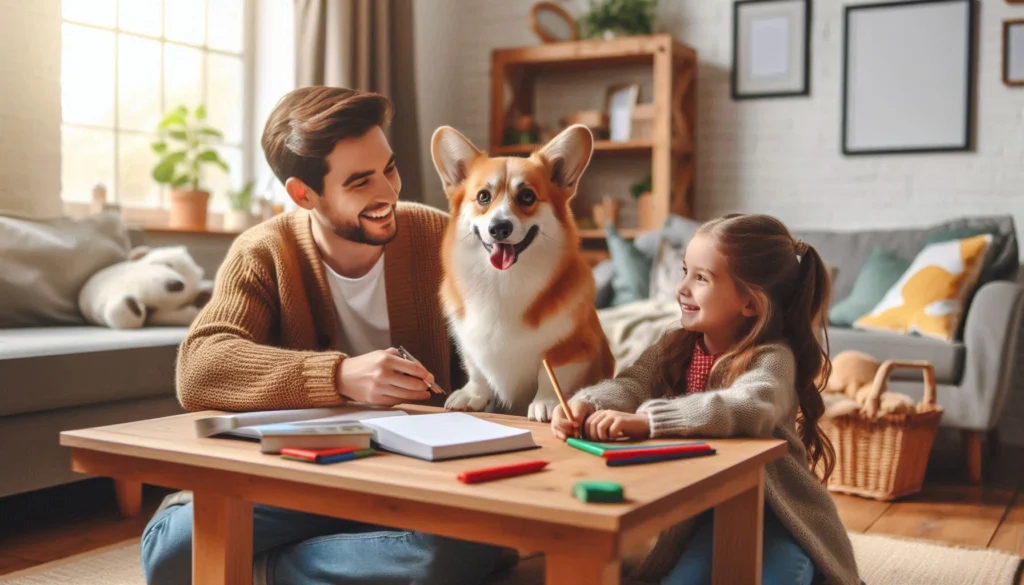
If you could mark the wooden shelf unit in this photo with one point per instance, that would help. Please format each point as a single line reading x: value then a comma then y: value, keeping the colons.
x: 674, y: 70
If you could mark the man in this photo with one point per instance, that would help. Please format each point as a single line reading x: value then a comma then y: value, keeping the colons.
x: 306, y: 312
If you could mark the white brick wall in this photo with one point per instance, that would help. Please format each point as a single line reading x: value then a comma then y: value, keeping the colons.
x: 783, y: 156
x: 30, y: 108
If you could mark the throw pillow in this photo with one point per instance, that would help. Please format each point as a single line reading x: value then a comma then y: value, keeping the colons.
x: 998, y: 241
x: 667, y: 272
x: 880, y: 271
x: 931, y: 297
x: 632, y: 269
x: 45, y: 264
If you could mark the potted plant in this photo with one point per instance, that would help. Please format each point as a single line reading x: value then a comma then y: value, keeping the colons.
x: 613, y: 18
x: 184, y: 147
x: 239, y: 216
x: 641, y: 191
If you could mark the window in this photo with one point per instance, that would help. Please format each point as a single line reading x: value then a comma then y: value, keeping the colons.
x: 126, y: 63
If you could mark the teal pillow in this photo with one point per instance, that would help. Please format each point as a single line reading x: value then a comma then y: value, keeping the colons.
x: 880, y: 271
x: 632, y: 280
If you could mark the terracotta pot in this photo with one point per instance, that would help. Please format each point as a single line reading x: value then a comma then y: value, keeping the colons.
x: 607, y: 211
x: 645, y: 213
x: 188, y: 209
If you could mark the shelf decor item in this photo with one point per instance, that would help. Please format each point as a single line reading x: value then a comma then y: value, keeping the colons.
x: 908, y: 77
x: 552, y: 23
x: 609, y: 19
x: 771, y: 48
x: 185, y: 146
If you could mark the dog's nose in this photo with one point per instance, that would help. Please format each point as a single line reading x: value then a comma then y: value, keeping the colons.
x: 174, y: 285
x: 500, y: 230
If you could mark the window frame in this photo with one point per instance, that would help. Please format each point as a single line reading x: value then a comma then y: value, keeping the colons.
x: 247, y: 56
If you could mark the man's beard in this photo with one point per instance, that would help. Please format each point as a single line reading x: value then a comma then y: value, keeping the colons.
x: 354, y: 232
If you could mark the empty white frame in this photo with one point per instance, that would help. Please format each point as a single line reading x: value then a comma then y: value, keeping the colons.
x: 908, y: 77
x: 770, y: 52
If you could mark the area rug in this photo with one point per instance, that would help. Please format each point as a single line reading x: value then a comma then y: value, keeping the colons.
x: 883, y: 561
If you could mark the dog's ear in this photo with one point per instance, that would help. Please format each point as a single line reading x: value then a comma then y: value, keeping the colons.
x: 568, y: 154
x: 452, y: 153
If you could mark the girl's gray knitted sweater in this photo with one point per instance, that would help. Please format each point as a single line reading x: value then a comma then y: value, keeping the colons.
x: 762, y: 402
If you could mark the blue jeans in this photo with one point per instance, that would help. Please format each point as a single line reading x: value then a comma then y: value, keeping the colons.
x: 784, y: 561
x: 295, y: 548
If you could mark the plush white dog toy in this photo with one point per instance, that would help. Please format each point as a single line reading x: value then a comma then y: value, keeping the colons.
x: 160, y: 286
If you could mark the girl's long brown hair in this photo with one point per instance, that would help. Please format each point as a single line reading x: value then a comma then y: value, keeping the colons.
x: 790, y: 284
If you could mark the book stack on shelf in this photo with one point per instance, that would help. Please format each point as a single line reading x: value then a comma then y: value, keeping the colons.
x: 663, y: 129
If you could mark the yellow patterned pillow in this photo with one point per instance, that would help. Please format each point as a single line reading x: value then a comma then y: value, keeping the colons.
x: 930, y: 297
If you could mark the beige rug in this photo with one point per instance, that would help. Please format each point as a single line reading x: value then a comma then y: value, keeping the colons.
x: 882, y: 560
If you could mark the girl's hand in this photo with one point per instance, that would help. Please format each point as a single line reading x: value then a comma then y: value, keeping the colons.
x: 560, y: 424
x: 609, y: 425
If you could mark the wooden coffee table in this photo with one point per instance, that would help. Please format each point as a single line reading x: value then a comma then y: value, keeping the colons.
x: 583, y: 543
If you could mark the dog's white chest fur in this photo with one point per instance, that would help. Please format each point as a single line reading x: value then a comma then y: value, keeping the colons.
x: 492, y: 333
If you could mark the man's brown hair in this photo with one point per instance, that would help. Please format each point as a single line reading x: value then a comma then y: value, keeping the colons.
x: 307, y: 123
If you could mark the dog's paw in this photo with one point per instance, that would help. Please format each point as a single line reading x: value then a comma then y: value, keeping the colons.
x: 542, y: 410
x: 466, y: 400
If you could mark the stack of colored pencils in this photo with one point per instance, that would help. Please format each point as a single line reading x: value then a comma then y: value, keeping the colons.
x: 634, y: 454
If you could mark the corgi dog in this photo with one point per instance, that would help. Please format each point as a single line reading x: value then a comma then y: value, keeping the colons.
x: 516, y: 288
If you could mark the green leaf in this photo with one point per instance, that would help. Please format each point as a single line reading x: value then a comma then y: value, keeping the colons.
x: 211, y: 132
x: 223, y: 165
x: 164, y: 171
x: 179, y: 181
x: 159, y: 147
x: 171, y: 120
x: 209, y: 155
x: 201, y: 112
x: 179, y: 134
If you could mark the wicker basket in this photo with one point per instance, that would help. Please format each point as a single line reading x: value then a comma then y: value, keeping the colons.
x: 884, y: 457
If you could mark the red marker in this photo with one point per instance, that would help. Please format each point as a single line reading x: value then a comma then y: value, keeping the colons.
x: 502, y: 471
x: 618, y: 454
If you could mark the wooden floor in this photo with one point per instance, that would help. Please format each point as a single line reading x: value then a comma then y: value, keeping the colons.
x: 51, y: 524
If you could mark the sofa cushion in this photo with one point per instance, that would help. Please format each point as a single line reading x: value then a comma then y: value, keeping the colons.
x: 45, y: 264
x: 46, y: 368
x: 632, y: 269
x: 946, y: 357
x: 881, y: 270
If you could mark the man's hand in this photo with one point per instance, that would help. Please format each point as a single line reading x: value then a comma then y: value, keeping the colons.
x: 383, y: 378
x: 609, y: 425
x: 560, y: 425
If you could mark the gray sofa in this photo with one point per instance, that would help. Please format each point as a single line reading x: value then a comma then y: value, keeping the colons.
x: 978, y: 375
x: 57, y: 373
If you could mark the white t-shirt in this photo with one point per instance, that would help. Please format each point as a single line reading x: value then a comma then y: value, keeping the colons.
x: 362, y: 308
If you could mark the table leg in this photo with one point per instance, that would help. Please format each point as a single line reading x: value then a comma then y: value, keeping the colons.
x: 221, y: 540
x: 739, y: 524
x: 562, y: 569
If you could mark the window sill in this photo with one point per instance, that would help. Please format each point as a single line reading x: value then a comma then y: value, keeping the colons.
x: 154, y: 219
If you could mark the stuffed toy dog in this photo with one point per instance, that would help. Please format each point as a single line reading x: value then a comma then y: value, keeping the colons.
x: 848, y: 389
x: 160, y: 286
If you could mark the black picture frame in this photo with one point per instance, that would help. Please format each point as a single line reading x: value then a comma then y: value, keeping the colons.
x: 970, y: 81
x: 805, y: 61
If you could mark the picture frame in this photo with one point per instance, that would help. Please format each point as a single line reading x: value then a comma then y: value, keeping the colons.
x: 908, y: 80
x: 771, y: 54
x: 1013, y: 52
x: 620, y: 100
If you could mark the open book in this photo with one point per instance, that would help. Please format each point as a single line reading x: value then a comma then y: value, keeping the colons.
x: 432, y: 437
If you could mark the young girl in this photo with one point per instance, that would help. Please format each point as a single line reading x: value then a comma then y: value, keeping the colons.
x: 744, y: 363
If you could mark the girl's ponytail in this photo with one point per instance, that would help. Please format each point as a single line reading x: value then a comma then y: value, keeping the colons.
x: 806, y: 315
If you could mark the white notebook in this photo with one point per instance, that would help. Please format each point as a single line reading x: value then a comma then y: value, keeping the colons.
x: 432, y: 437
x: 447, y: 435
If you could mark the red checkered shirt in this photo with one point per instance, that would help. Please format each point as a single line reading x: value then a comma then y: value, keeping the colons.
x: 700, y: 369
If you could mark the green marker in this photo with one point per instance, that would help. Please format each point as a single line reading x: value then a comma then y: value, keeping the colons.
x: 598, y: 491
x: 587, y: 446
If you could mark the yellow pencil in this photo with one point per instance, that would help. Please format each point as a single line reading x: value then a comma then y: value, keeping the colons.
x: 558, y: 391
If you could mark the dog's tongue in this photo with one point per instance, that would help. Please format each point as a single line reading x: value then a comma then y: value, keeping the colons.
x: 502, y: 256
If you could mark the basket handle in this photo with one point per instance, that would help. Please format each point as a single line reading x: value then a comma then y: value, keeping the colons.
x: 882, y: 378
